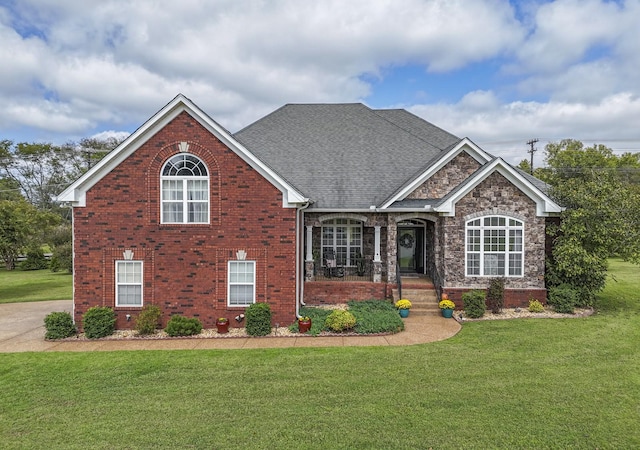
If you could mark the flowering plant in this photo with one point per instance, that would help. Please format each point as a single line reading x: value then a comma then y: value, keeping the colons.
x: 403, y: 304
x: 446, y: 304
x: 304, y: 319
x: 222, y: 320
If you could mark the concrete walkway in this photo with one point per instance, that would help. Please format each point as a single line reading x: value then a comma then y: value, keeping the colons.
x: 22, y: 330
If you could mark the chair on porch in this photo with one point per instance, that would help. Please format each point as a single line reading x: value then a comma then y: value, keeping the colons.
x: 331, y: 267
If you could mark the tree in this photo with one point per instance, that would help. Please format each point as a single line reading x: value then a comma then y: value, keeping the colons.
x: 41, y: 171
x: 9, y: 189
x: 602, y: 216
x: 22, y: 225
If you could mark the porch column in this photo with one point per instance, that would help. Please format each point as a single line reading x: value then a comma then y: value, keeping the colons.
x: 376, y: 256
x: 377, y: 261
x: 392, y: 250
x: 309, y: 255
x: 309, y: 263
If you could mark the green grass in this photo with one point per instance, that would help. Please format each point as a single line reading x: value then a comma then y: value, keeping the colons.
x: 529, y: 383
x: 34, y: 285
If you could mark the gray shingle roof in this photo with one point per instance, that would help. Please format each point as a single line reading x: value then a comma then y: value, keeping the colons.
x: 345, y: 156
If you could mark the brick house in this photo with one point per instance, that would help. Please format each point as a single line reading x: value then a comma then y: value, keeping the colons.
x: 312, y: 203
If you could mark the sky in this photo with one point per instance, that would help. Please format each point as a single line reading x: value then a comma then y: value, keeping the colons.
x: 498, y: 72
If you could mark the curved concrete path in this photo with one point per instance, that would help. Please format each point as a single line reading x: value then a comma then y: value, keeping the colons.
x: 22, y: 330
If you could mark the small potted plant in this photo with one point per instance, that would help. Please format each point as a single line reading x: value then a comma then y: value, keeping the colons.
x: 447, y: 307
x: 403, y: 306
x: 304, y: 324
x: 222, y: 324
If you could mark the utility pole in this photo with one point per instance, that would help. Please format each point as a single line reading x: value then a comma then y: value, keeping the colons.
x: 532, y: 150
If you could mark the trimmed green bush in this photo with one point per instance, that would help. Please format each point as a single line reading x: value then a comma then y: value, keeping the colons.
x: 98, y: 322
x: 59, y: 325
x: 474, y: 303
x: 495, y: 295
x: 563, y: 298
x: 340, y: 320
x: 183, y: 326
x: 258, y: 318
x: 148, y: 319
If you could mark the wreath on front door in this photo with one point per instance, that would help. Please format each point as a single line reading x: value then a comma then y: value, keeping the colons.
x: 407, y: 240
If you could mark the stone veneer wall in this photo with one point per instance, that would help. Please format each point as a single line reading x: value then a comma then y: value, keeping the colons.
x: 446, y: 179
x: 495, y: 195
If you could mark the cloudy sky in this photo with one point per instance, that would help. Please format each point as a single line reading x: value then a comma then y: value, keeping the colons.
x: 499, y: 72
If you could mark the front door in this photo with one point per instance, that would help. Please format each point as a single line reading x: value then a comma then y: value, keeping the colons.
x: 410, y: 249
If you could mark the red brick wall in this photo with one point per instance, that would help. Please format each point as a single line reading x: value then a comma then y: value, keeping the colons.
x: 512, y: 297
x: 334, y: 292
x: 185, y: 266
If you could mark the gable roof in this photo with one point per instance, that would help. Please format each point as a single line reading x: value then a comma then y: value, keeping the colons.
x: 345, y: 156
x: 76, y: 192
x: 544, y: 205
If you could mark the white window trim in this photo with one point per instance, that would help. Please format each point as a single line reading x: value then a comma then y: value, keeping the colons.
x: 229, y: 283
x: 351, y: 223
x: 185, y: 199
x: 141, y: 284
x: 507, y: 228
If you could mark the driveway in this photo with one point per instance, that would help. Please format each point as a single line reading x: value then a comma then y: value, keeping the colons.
x: 22, y: 325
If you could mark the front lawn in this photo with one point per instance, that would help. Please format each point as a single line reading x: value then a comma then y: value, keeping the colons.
x: 526, y: 383
x: 34, y: 285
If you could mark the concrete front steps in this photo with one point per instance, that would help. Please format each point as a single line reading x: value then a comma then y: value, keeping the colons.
x: 423, y: 298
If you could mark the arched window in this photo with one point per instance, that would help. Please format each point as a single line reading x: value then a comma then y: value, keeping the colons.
x: 185, y: 190
x: 494, y: 247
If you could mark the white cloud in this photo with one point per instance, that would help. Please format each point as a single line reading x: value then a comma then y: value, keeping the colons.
x: 504, y: 130
x: 78, y: 67
x: 115, y: 61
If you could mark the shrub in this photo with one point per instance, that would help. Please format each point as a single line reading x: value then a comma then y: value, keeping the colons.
x: 62, y: 258
x: 563, y: 298
x: 535, y: 306
x: 375, y: 316
x: 258, y: 318
x: 183, y: 326
x: 340, y: 320
x: 59, y: 325
x: 147, y: 320
x: 98, y: 322
x: 495, y: 295
x: 474, y: 303
x: 35, y: 260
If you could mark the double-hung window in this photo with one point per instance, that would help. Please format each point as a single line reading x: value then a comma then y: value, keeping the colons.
x: 494, y: 247
x: 185, y: 190
x: 242, y: 283
x: 344, y: 237
x: 128, y: 283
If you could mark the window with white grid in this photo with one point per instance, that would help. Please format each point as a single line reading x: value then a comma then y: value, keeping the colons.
x: 185, y: 190
x: 344, y: 237
x: 242, y: 283
x: 494, y: 247
x: 128, y: 283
